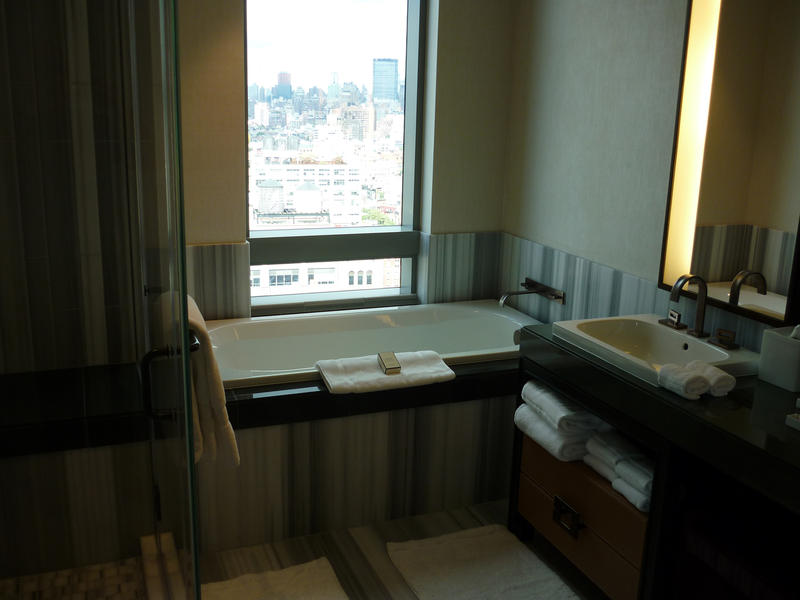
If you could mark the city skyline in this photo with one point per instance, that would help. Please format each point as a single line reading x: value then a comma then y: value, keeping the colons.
x: 317, y: 50
x: 268, y: 85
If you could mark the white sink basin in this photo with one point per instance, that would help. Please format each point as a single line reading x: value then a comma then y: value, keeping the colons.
x: 640, y: 345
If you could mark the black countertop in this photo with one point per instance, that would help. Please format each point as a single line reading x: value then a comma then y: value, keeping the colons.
x: 742, y: 434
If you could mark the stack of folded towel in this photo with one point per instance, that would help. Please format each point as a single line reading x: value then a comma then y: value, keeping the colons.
x: 623, y: 464
x: 696, y: 378
x: 557, y: 425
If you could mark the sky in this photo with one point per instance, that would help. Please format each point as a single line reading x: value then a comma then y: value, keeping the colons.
x: 312, y: 39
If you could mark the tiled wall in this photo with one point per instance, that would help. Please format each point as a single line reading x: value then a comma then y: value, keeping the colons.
x: 459, y: 267
x: 316, y: 476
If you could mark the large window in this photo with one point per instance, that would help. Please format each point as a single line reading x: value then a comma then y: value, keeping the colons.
x: 332, y: 120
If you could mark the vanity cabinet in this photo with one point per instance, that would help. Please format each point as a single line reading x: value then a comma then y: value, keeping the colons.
x: 579, y: 512
x: 724, y: 518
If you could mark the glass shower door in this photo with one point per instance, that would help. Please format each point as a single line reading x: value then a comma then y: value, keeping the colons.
x: 171, y: 550
x: 94, y: 440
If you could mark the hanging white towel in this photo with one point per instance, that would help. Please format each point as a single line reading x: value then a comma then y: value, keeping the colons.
x: 212, y: 428
x: 684, y: 382
x: 559, y: 412
x: 638, y: 472
x: 600, y: 466
x: 364, y: 374
x: 719, y: 382
x: 632, y: 495
x: 562, y: 446
x: 611, y: 447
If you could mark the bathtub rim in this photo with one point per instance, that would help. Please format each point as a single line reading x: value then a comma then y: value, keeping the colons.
x: 310, y: 374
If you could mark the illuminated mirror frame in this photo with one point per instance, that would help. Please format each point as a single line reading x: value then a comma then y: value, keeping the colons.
x: 687, y: 163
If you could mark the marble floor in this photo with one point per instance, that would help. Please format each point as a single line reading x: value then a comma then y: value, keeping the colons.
x: 359, y: 558
x: 119, y: 580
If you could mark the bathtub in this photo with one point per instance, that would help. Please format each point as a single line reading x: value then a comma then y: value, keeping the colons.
x: 283, y: 349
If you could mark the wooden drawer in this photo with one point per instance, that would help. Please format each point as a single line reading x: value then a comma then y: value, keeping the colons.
x: 609, y: 516
x: 593, y: 556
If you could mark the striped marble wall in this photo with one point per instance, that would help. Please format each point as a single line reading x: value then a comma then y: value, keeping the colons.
x: 594, y: 290
x: 468, y: 266
x: 721, y: 251
x: 457, y: 266
x: 66, y: 509
x: 218, y: 278
x: 315, y: 476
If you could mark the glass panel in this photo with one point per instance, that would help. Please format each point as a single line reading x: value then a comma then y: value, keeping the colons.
x: 325, y: 127
x: 335, y: 276
x: 93, y: 458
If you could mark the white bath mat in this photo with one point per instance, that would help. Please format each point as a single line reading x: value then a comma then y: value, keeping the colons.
x: 481, y: 563
x: 313, y: 580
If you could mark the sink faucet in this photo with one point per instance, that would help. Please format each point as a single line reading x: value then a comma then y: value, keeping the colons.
x: 702, y: 292
x: 742, y: 277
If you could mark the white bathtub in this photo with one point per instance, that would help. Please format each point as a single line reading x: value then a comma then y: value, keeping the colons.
x: 284, y: 349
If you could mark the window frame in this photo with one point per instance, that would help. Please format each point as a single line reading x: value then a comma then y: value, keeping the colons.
x: 276, y: 247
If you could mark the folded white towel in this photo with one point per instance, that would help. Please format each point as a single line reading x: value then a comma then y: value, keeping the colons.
x: 632, y: 495
x: 599, y: 465
x: 720, y: 382
x: 637, y: 471
x: 364, y: 374
x: 212, y: 428
x: 563, y: 446
x: 610, y: 447
x: 684, y: 382
x: 559, y: 412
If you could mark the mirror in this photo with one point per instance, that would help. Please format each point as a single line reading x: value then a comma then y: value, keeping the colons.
x: 735, y: 188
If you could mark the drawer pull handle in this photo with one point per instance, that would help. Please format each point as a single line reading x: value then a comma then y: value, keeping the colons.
x: 567, y: 517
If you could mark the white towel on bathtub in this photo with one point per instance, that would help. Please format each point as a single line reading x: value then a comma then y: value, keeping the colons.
x: 364, y: 374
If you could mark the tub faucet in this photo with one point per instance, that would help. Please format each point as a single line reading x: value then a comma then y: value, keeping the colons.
x: 534, y: 287
x: 741, y: 278
x: 702, y: 292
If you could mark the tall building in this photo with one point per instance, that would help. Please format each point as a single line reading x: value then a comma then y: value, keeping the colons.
x: 384, y: 79
x: 284, y: 87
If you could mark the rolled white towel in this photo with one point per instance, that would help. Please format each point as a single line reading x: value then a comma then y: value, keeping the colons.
x: 599, y: 465
x: 559, y: 412
x: 563, y: 447
x: 632, y: 495
x: 611, y: 447
x: 684, y: 382
x: 720, y: 382
x: 638, y: 472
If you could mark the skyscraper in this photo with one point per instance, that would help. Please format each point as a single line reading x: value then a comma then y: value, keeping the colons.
x: 284, y: 87
x: 384, y: 79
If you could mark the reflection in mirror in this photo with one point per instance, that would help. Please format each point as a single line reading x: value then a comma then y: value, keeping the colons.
x: 748, y: 202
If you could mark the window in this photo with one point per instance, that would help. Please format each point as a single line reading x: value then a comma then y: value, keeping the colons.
x: 332, y: 140
x: 283, y: 277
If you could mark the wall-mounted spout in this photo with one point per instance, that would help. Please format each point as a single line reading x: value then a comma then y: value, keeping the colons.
x: 739, y: 280
x: 534, y: 287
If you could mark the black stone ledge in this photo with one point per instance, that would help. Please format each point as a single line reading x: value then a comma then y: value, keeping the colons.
x: 310, y: 401
x: 258, y: 407
x: 757, y: 450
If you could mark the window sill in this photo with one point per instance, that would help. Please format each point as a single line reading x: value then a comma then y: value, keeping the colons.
x: 261, y: 306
